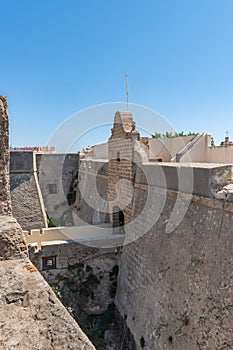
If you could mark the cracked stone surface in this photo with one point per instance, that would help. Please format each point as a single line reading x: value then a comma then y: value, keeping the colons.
x: 12, y: 243
x: 31, y: 315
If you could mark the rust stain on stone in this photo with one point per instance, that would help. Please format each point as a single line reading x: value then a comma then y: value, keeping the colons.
x: 30, y: 268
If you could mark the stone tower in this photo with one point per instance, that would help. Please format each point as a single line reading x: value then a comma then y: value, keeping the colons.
x: 125, y: 153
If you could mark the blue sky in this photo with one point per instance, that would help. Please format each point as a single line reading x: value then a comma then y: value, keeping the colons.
x: 60, y: 57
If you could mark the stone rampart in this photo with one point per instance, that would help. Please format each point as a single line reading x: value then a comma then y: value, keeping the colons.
x: 57, y: 174
x: 91, y: 204
x: 175, y: 288
x: 27, y: 202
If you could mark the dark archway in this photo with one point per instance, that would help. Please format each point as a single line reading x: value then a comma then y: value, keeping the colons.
x: 118, y: 217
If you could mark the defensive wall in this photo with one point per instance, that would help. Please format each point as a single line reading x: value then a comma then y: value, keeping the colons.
x: 57, y: 174
x: 91, y: 204
x: 175, y: 286
x: 27, y: 202
x: 40, y: 184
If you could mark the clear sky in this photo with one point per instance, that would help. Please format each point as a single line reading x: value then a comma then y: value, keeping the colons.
x: 59, y: 57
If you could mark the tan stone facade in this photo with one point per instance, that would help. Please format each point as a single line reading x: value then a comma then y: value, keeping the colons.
x: 121, y: 166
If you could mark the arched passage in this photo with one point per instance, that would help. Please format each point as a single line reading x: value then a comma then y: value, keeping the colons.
x: 118, y: 217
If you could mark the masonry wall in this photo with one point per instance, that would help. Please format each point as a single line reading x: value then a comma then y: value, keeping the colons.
x: 27, y: 202
x: 91, y: 204
x: 56, y: 173
x: 175, y: 289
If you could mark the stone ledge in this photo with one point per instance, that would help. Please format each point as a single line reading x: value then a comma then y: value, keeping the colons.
x: 31, y: 315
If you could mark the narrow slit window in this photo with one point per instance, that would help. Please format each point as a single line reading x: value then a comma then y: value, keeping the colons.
x: 49, y: 263
x: 52, y: 188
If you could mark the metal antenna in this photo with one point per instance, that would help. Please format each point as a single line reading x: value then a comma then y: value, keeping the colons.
x: 227, y: 133
x: 127, y: 91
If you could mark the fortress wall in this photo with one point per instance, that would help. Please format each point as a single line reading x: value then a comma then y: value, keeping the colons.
x: 200, y: 179
x: 175, y: 289
x: 27, y: 203
x: 56, y: 173
x: 90, y: 206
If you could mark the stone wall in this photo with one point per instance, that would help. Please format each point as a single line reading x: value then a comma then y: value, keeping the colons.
x: 40, y: 185
x: 175, y: 289
x: 91, y: 204
x: 56, y: 173
x: 27, y: 202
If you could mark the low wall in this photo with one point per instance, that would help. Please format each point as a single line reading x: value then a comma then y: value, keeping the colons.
x: 69, y: 233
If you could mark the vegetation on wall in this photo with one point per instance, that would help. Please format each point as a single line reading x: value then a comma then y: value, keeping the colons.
x: 50, y: 222
x: 78, y: 290
x: 212, y: 142
x: 71, y: 195
x: 170, y: 135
